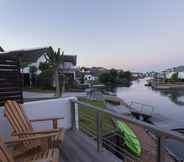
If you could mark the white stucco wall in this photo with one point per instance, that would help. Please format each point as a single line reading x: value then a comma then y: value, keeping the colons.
x: 181, y: 75
x: 41, y: 109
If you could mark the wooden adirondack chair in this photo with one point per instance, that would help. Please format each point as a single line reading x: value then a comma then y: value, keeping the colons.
x: 22, y: 127
x: 49, y: 155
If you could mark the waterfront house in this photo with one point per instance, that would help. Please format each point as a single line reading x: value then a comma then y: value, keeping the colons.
x: 33, y: 57
x: 68, y: 67
x: 27, y: 58
x: 170, y: 71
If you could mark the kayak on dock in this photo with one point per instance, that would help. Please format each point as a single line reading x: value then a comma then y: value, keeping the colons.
x: 130, y: 139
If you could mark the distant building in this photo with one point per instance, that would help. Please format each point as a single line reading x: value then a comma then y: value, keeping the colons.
x: 91, y: 74
x: 181, y: 75
x: 138, y: 75
x: 151, y: 74
x: 170, y: 71
x: 89, y: 78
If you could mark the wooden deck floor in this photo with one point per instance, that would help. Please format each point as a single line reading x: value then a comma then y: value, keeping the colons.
x: 78, y: 147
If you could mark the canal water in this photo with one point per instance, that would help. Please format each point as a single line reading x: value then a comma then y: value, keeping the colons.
x: 169, y: 104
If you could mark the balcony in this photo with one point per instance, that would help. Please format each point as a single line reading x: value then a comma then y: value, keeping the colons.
x: 90, y: 136
x: 80, y: 146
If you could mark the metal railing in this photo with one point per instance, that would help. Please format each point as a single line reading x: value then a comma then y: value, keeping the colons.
x: 142, y: 108
x: 98, y: 124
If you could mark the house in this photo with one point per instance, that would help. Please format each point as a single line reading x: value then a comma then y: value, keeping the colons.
x: 67, y: 68
x: 89, y: 78
x: 170, y: 71
x: 91, y: 74
x: 27, y: 58
x: 35, y: 56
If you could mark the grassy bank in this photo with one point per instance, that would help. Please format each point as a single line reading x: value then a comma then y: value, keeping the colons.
x: 88, y: 117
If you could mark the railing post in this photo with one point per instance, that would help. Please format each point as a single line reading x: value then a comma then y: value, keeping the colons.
x: 99, y: 131
x: 74, y: 115
x: 161, y: 150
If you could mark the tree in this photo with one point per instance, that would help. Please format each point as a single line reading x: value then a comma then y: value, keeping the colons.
x: 115, y: 78
x: 53, y: 61
x: 174, y: 77
x: 44, y: 66
x: 33, y: 70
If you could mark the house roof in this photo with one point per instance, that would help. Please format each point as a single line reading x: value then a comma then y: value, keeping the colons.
x: 27, y: 55
x: 70, y: 58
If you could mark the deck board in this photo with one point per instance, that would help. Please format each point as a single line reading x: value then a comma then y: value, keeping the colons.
x: 78, y: 147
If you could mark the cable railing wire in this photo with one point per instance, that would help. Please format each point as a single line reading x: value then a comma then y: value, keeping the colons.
x: 109, y: 132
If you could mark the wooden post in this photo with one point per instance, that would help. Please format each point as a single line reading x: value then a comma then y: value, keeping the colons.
x: 55, y: 123
x: 161, y: 151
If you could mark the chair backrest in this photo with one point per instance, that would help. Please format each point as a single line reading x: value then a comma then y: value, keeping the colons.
x: 19, y: 122
x: 17, y: 118
x: 5, y: 156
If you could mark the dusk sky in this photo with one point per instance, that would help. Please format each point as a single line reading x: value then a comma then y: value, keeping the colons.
x: 139, y: 35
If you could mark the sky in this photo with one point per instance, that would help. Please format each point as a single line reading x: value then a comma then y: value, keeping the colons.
x: 136, y: 35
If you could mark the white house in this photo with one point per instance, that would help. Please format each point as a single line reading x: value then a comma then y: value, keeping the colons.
x: 181, y: 75
x: 89, y: 78
x: 33, y: 57
x: 41, y: 59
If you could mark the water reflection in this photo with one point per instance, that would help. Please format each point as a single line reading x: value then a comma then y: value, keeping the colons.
x: 169, y: 104
x: 176, y: 96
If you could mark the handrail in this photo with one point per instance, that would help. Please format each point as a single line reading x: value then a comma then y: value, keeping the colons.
x: 161, y: 132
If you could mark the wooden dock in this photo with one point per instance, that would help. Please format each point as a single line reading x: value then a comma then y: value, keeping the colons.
x: 139, y: 110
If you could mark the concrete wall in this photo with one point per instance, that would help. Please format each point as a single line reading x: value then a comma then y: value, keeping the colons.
x: 41, y: 109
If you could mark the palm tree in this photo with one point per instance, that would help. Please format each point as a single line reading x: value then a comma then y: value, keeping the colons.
x: 33, y: 70
x: 54, y: 60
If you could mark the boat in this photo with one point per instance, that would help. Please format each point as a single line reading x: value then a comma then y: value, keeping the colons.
x: 148, y: 83
x: 129, y: 138
x: 109, y: 93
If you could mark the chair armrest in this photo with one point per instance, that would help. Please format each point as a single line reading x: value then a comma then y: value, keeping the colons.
x: 47, y: 131
x: 46, y: 119
x: 41, y: 160
x: 24, y: 139
x: 54, y: 120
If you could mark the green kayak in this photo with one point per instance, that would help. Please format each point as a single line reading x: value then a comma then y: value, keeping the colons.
x: 129, y: 137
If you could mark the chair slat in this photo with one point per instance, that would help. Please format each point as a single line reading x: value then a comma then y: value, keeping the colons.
x: 5, y: 156
x: 18, y: 121
x: 51, y: 155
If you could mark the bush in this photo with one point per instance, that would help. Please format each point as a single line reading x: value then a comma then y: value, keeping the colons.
x: 115, y: 78
x: 45, y: 79
x: 174, y: 77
